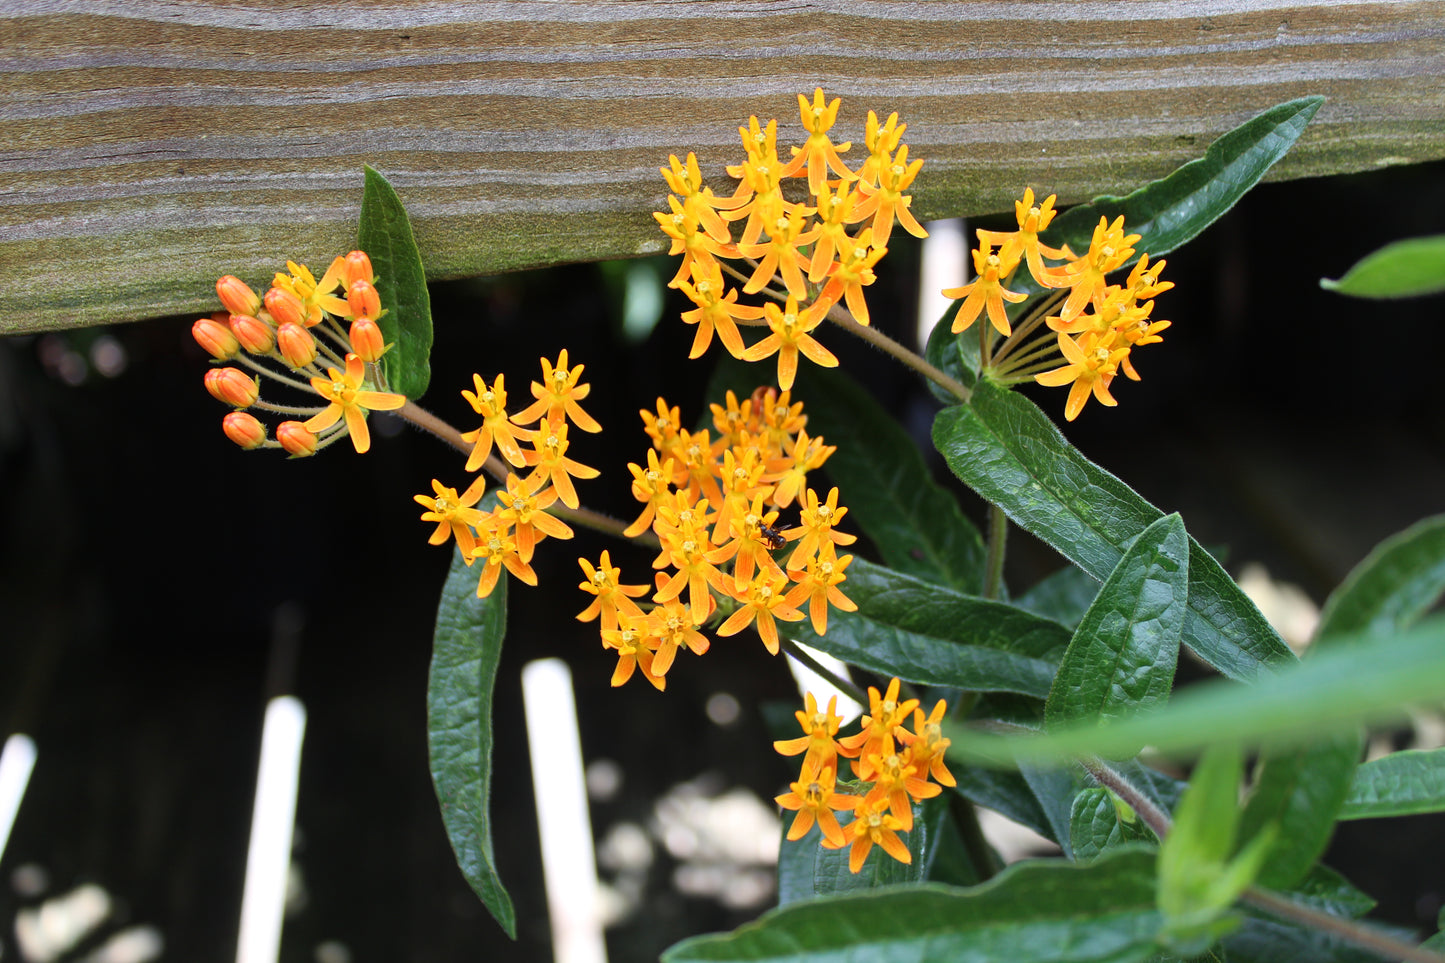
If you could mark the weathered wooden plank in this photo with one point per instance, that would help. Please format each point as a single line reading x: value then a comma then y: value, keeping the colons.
x: 147, y: 146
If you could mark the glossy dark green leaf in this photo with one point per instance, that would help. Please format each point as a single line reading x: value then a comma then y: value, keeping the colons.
x: 1168, y: 212
x: 883, y: 481
x: 806, y: 869
x: 1096, y: 825
x: 1121, y: 658
x: 465, y: 652
x: 1044, y: 911
x: 1008, y: 451
x: 1361, y: 680
x: 1063, y: 596
x: 1006, y: 792
x: 1302, y: 791
x: 1404, y: 269
x: 1400, y: 784
x: 927, y: 634
x: 385, y: 235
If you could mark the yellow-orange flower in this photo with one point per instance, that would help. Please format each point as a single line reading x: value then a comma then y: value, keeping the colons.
x: 872, y: 824
x: 717, y: 308
x: 814, y: 799
x: 347, y: 399
x: 763, y: 603
x: 557, y: 397
x: 985, y: 291
x: 550, y: 463
x: 1091, y: 367
x: 789, y: 338
x: 612, y: 597
x: 821, y: 729
x: 454, y: 514
x: 819, y: 152
x: 491, y: 404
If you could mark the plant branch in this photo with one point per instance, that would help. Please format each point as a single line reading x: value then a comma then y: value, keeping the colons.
x: 892, y: 348
x: 843, y: 685
x: 997, y: 542
x: 1351, y: 931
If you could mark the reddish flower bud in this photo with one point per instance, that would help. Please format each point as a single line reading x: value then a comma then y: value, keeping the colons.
x: 366, y: 339
x: 255, y: 335
x: 358, y: 268
x: 216, y: 338
x: 244, y: 430
x: 237, y: 295
x: 296, y: 344
x: 364, y: 301
x: 232, y: 386
x: 294, y: 437
x: 285, y: 306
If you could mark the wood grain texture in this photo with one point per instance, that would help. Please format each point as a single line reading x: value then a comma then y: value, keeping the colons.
x: 148, y: 146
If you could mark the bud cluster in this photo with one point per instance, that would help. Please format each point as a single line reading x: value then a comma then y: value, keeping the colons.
x: 294, y: 329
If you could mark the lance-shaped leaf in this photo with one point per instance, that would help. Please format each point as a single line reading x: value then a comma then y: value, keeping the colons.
x: 882, y: 479
x: 1400, y: 784
x: 1063, y: 596
x: 1122, y: 656
x: 927, y: 634
x: 1302, y: 791
x: 1168, y: 212
x: 465, y: 652
x: 1008, y: 451
x: 1044, y: 911
x: 1363, y: 679
x: 385, y: 235
x: 1404, y: 269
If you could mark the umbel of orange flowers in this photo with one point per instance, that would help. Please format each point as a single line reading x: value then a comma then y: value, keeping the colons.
x: 287, y: 336
x: 817, y: 255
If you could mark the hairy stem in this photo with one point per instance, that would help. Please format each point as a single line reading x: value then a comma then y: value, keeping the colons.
x: 895, y: 350
x: 997, y: 542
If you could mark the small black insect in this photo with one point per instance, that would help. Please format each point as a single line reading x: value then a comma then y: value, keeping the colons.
x: 771, y: 536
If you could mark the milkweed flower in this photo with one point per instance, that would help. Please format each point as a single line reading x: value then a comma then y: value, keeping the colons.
x: 550, y: 463
x: 497, y: 428
x: 872, y: 825
x: 763, y: 604
x: 1091, y: 366
x: 496, y: 550
x: 790, y: 337
x: 813, y: 798
x: 612, y: 598
x: 557, y: 396
x: 820, y: 727
x: 348, y: 399
x: 884, y: 719
x: 819, y: 153
x: 454, y: 514
x: 985, y: 291
x: 525, y: 512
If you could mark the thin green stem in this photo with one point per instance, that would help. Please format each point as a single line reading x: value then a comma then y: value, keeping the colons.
x: 259, y: 368
x: 997, y: 542
x: 285, y: 409
x: 843, y: 685
x: 895, y: 350
x: 1032, y: 320
x: 1030, y: 353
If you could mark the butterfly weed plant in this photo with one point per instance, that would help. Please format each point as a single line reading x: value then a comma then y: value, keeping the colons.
x: 1033, y: 705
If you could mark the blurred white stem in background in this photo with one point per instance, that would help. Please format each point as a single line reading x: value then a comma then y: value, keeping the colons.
x: 16, y: 762
x: 268, y: 859
x: 944, y: 264
x: 569, y: 870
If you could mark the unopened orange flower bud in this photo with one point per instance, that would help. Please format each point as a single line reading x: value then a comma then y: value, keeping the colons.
x: 237, y: 295
x: 232, y: 386
x: 366, y: 339
x: 294, y: 437
x: 244, y: 430
x: 364, y: 300
x: 296, y: 344
x: 216, y: 338
x: 285, y: 306
x: 358, y: 268
x: 255, y: 335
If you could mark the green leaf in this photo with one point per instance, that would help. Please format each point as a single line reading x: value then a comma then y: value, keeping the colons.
x: 1326, y: 890
x: 927, y: 634
x: 1363, y: 679
x: 1400, y: 784
x: 1302, y: 791
x: 1404, y: 269
x: 1393, y: 587
x: 1096, y: 825
x: 1008, y: 451
x: 465, y: 653
x: 1166, y: 213
x: 1121, y: 659
x: 1054, y: 787
x: 385, y: 235
x: 882, y: 479
x: 1006, y: 792
x: 1043, y: 911
x: 807, y: 870
x: 1063, y: 596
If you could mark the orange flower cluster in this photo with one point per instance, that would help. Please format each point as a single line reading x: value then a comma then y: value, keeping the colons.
x: 809, y: 246
x: 297, y: 327
x: 891, y: 763
x: 507, y: 536
x: 1095, y: 343
x: 714, y: 505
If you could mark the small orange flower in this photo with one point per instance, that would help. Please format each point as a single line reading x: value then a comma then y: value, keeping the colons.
x: 312, y: 297
x: 551, y: 464
x: 790, y: 337
x: 497, y: 428
x: 717, y: 308
x: 821, y: 730
x: 819, y: 586
x: 347, y: 399
x: 882, y: 723
x: 557, y: 397
x: 872, y: 824
x: 851, y: 273
x: 612, y: 598
x: 928, y: 743
x: 763, y: 603
x: 525, y: 512
x: 985, y: 291
x: 496, y: 550
x: 454, y: 514
x: 1091, y: 367
x: 814, y: 799
x: 819, y: 152
x: 634, y: 642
